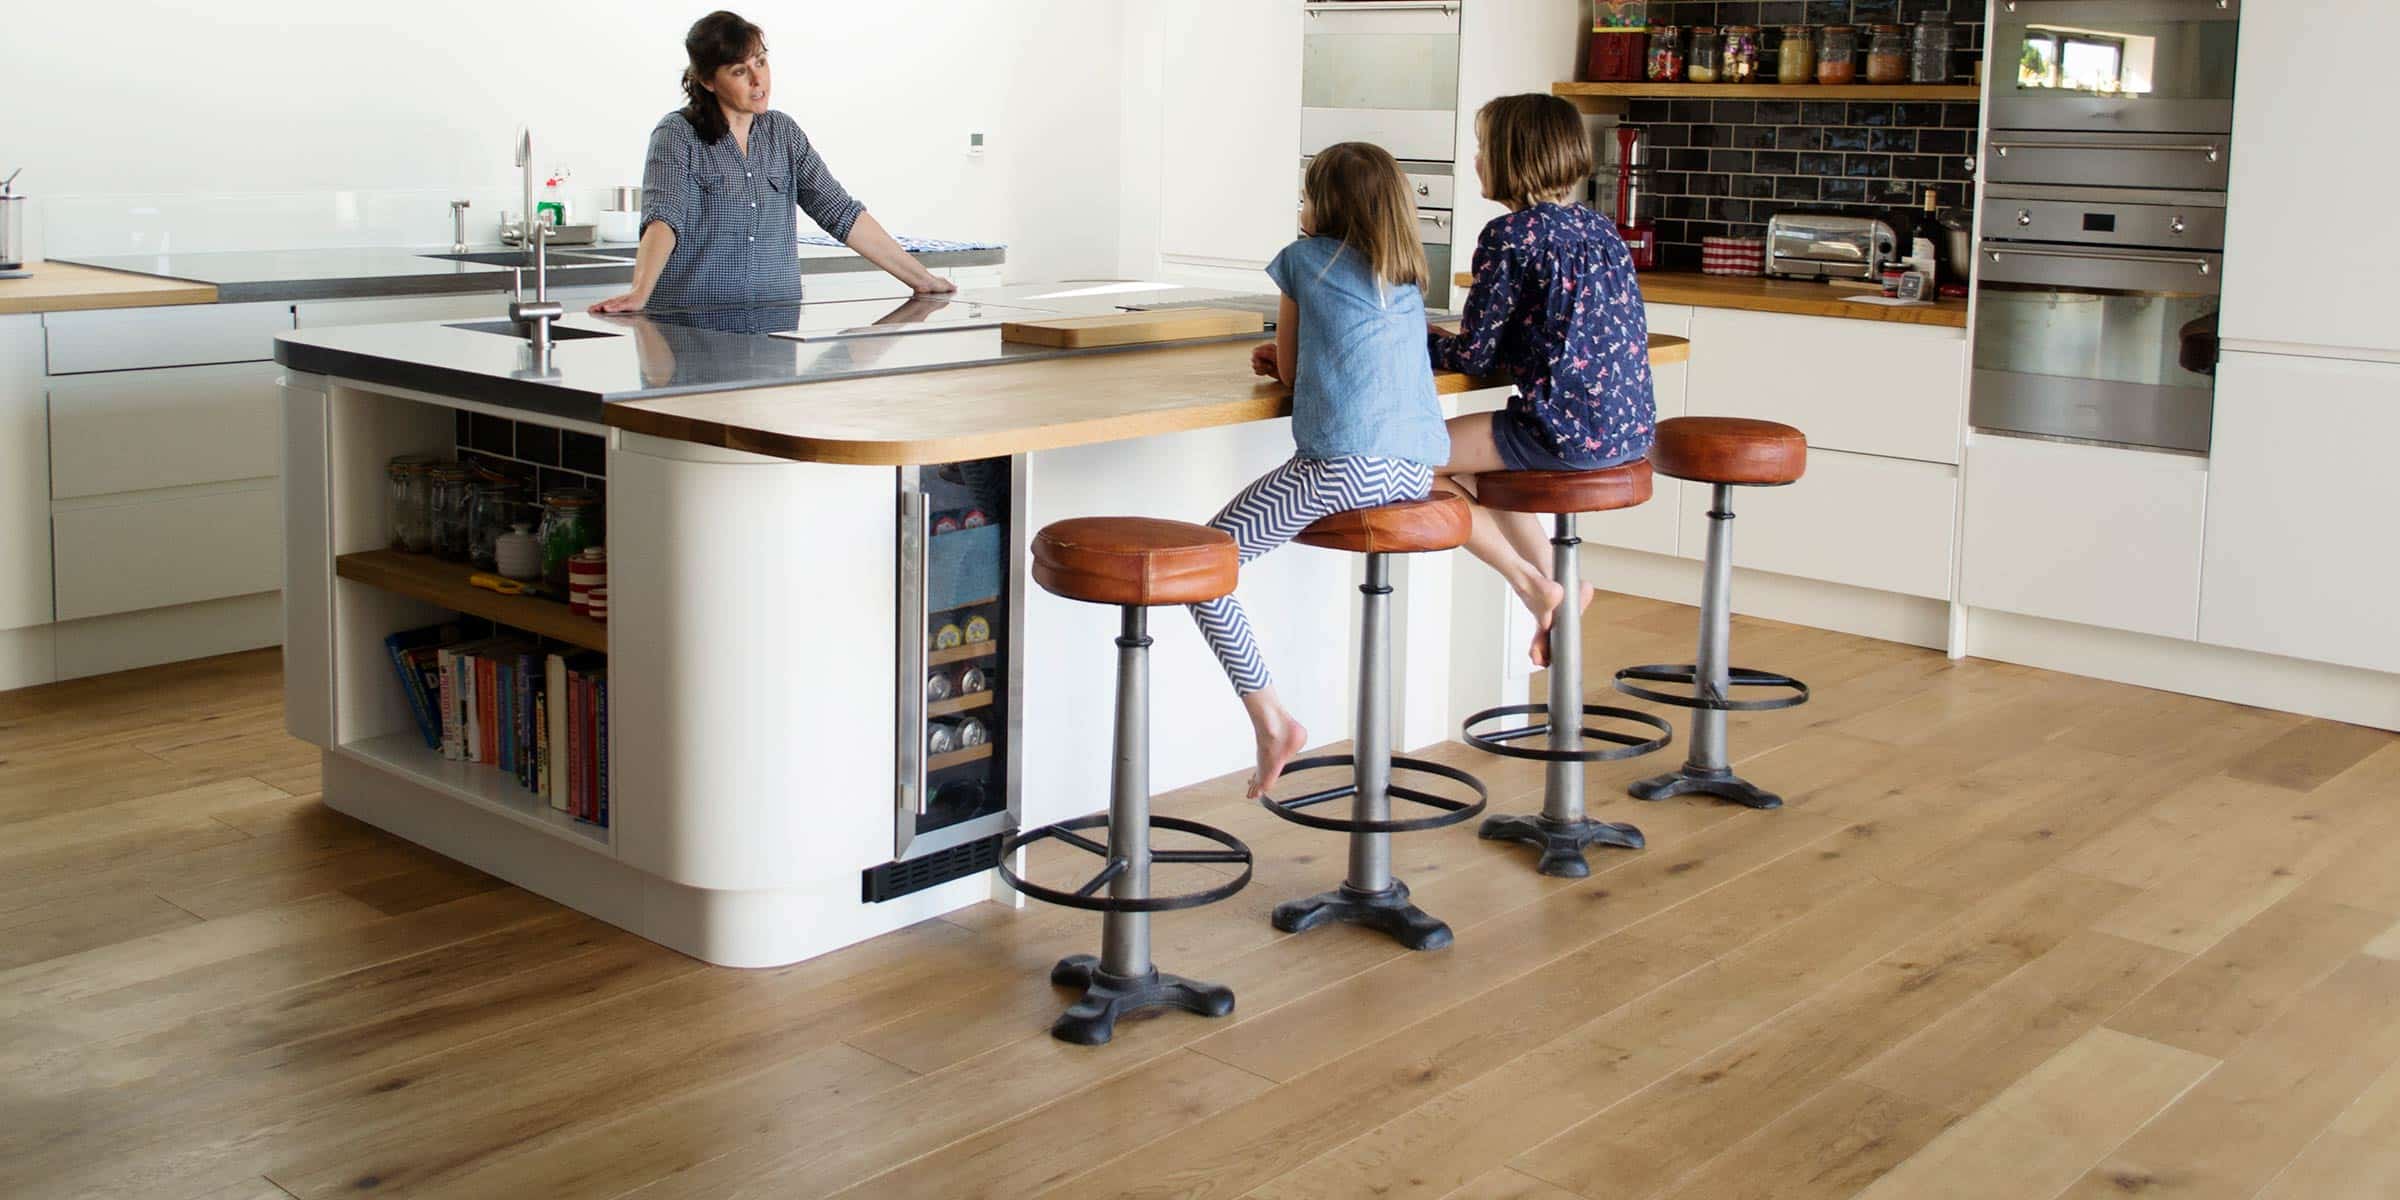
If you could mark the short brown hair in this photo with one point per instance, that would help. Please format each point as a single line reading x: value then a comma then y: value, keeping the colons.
x: 1534, y: 146
x: 1356, y: 195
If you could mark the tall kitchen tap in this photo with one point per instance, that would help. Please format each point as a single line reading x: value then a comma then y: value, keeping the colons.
x: 534, y: 318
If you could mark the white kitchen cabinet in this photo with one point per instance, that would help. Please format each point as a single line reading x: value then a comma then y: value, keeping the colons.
x: 126, y: 339
x: 24, y: 476
x: 154, y: 552
x: 1654, y: 527
x: 124, y: 431
x: 1871, y: 522
x: 2306, y: 86
x: 1869, y: 387
x: 2091, y: 534
x: 1228, y: 133
x: 2299, y: 559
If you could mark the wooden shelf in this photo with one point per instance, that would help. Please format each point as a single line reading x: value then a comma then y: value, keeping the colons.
x: 958, y: 758
x: 959, y: 704
x: 479, y: 784
x: 445, y: 583
x: 1611, y: 97
x: 943, y: 658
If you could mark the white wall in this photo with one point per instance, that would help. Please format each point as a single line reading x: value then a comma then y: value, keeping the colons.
x: 304, y: 123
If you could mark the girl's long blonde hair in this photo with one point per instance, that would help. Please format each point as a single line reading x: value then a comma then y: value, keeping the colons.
x: 1357, y: 195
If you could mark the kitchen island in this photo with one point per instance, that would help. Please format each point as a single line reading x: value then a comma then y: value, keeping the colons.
x: 782, y: 582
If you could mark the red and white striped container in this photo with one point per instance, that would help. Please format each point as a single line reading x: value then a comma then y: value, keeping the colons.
x: 1733, y: 256
x: 587, y: 570
x: 597, y: 603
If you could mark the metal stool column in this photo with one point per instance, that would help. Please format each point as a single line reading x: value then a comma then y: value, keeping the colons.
x: 1370, y: 895
x: 1561, y: 831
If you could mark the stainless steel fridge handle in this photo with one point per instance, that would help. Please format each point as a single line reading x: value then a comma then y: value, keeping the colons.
x: 1447, y: 6
x: 916, y: 543
x: 2210, y: 149
x: 2168, y: 260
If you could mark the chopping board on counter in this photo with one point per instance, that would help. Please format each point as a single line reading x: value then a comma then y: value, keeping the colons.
x: 1134, y: 328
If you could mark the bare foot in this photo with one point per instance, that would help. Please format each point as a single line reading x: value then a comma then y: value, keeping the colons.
x: 1275, y: 748
x: 1542, y: 598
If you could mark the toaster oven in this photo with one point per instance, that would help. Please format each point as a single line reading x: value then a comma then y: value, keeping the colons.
x: 1815, y: 246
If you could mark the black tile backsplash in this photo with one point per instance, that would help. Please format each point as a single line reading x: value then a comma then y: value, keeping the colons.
x: 538, y: 456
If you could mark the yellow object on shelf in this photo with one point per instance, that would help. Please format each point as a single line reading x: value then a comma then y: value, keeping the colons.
x: 504, y: 586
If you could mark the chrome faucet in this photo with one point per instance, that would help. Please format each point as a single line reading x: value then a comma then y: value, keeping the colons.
x: 458, y: 227
x: 534, y: 318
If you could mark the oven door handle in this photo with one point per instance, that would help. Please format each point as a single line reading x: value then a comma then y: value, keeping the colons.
x: 2211, y: 149
x: 2165, y: 260
x: 1326, y: 6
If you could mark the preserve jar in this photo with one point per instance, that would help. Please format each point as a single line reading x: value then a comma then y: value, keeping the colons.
x: 1796, y: 55
x: 498, y: 504
x: 1737, y: 60
x: 1929, y: 50
x: 1837, y: 54
x: 1887, y: 55
x: 567, y: 528
x: 1700, y: 65
x: 408, y: 503
x: 1665, y: 63
x: 453, y: 500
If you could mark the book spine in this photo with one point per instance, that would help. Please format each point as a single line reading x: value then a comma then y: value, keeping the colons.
x: 575, y: 743
x: 487, y: 694
x: 555, y: 774
x: 505, y: 672
x: 526, y: 665
x: 418, y: 706
x: 447, y: 663
x: 600, y: 741
x: 469, y: 715
x: 541, y: 744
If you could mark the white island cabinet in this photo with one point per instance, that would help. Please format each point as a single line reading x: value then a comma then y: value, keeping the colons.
x: 24, y: 499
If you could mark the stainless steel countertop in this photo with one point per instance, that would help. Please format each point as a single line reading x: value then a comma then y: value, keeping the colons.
x: 341, y: 274
x: 699, y: 351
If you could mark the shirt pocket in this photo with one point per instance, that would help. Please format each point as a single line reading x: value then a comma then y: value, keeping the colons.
x: 710, y: 186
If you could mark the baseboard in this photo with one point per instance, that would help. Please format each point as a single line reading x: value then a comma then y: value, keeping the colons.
x: 1887, y: 616
x: 147, y: 638
x: 28, y: 657
x: 2315, y: 689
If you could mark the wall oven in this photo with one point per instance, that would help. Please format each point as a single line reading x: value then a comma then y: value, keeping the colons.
x: 2124, y: 66
x: 1381, y: 71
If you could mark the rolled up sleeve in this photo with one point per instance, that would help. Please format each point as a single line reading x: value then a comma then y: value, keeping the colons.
x: 669, y: 188
x: 821, y: 196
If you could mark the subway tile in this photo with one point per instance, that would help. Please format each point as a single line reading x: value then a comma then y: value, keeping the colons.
x: 1867, y: 166
x: 493, y: 435
x: 1709, y: 185
x: 582, y: 452
x: 1823, y: 112
x: 1754, y: 187
x: 1916, y: 166
x: 1891, y: 191
x: 1845, y: 139
x: 1799, y: 137
x: 1902, y: 141
x: 1735, y: 112
x: 1738, y: 12
x: 1670, y: 183
x: 1870, y: 113
x: 1783, y: 12
x: 1774, y: 162
x: 1729, y: 210
x: 1695, y: 112
x: 1683, y: 208
x: 1865, y: 12
x: 537, y: 444
x: 1709, y: 136
x: 1683, y: 160
x: 1918, y: 113
x: 1667, y: 231
x: 1647, y: 112
x: 1778, y: 112
x: 1942, y: 141
x: 1729, y: 160
x: 1828, y: 12
x: 1954, y: 167
x: 1844, y: 189
x: 1796, y: 187
x: 1664, y: 137
x: 1754, y: 137
x: 1819, y: 164
x: 461, y: 428
x: 1956, y: 195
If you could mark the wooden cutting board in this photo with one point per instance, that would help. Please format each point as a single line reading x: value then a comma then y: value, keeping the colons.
x: 1134, y: 328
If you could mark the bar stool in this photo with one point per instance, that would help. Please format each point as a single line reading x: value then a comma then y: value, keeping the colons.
x: 1370, y: 896
x: 1561, y: 831
x: 1136, y: 564
x: 1725, y: 453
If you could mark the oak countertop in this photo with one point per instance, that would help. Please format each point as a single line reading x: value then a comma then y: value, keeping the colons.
x: 66, y: 287
x: 1798, y: 297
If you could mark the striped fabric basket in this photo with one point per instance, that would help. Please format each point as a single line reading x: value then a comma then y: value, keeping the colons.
x: 1733, y: 256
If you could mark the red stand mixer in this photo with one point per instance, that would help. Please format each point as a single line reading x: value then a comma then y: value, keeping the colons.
x: 1632, y: 181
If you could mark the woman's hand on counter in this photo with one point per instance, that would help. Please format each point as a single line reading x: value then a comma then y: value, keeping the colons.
x: 1263, y: 362
x: 629, y: 302
x: 933, y: 285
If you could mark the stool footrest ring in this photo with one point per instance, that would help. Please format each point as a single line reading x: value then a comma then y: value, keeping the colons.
x: 1452, y: 812
x: 1624, y: 745
x: 1689, y: 675
x: 1070, y: 833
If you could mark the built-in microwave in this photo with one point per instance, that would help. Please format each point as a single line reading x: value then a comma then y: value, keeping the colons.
x: 2113, y: 66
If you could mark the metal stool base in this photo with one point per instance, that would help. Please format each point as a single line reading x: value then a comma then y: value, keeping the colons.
x: 1387, y: 912
x: 1092, y: 1019
x: 1562, y: 843
x: 1622, y: 745
x: 1724, y: 784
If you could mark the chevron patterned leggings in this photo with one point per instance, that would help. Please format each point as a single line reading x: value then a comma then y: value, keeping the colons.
x: 1273, y: 511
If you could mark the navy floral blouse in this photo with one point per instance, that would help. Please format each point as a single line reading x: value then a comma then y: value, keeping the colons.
x: 1556, y: 306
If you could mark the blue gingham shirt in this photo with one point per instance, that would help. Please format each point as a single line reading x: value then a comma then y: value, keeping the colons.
x: 737, y: 239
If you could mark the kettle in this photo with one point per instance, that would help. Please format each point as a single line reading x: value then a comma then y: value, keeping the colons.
x: 12, y: 224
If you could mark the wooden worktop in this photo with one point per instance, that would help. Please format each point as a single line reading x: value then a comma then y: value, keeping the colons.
x: 988, y: 412
x: 64, y: 287
x: 1798, y: 297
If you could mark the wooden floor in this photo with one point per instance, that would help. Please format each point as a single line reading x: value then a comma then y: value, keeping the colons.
x: 2017, y: 935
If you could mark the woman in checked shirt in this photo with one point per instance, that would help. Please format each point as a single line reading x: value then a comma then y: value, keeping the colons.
x: 723, y: 182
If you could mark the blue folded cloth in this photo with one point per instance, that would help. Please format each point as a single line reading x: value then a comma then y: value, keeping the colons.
x: 916, y: 245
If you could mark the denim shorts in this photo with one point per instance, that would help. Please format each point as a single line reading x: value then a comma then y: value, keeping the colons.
x: 1520, y: 450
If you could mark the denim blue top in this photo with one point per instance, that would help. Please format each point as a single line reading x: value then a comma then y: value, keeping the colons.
x: 1364, y: 380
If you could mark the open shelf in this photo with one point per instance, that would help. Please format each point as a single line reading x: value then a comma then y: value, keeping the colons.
x: 959, y: 704
x: 480, y: 784
x: 943, y: 762
x: 1611, y: 97
x: 445, y: 583
x: 943, y: 658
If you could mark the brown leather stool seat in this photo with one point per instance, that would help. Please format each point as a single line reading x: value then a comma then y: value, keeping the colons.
x: 1735, y: 450
x: 1438, y: 522
x: 1566, y: 491
x: 1135, y: 561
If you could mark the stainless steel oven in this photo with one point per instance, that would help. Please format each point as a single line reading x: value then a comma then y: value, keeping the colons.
x: 2121, y: 66
x: 1429, y: 185
x: 2089, y: 306
x: 1381, y: 71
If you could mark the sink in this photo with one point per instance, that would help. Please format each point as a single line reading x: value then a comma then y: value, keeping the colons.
x: 558, y: 332
x: 519, y: 258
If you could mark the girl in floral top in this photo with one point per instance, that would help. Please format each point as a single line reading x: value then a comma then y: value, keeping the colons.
x: 1555, y: 305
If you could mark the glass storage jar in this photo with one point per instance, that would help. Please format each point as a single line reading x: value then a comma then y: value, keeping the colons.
x: 408, y: 499
x: 1700, y: 65
x: 1929, y: 50
x: 568, y: 526
x: 1665, y: 63
x: 499, y: 503
x: 1737, y: 60
x: 453, y: 500
x: 1837, y: 54
x: 1887, y: 55
x: 1796, y: 55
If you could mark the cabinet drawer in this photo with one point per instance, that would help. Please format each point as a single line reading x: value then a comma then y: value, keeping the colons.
x: 1881, y: 523
x: 123, y: 431
x: 126, y: 557
x: 128, y: 338
x: 2089, y: 534
x: 1865, y: 386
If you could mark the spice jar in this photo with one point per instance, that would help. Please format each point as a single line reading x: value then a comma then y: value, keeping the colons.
x: 1737, y: 59
x: 1837, y: 54
x: 567, y: 528
x: 1796, y: 55
x: 1929, y: 50
x: 453, y: 501
x: 408, y: 502
x: 1665, y: 63
x: 1700, y: 65
x: 1887, y: 55
x: 496, y: 507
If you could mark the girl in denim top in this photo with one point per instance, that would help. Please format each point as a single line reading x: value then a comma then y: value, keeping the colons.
x: 1556, y: 306
x: 1350, y: 341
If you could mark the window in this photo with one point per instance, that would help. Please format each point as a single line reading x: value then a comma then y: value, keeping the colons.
x: 2074, y: 61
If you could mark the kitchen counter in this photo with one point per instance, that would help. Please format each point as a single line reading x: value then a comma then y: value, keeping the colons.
x: 1795, y: 296
x: 69, y: 287
x: 340, y: 274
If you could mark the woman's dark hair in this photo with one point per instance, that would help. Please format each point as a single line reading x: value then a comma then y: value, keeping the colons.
x: 717, y: 40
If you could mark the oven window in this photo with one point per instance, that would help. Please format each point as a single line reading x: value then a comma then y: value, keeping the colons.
x: 2116, y: 337
x: 2188, y: 60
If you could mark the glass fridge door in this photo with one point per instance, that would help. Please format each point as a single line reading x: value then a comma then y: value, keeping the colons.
x: 961, y: 550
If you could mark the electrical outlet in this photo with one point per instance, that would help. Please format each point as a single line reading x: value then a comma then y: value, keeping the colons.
x: 974, y: 145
